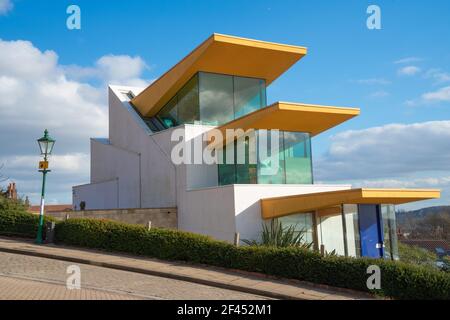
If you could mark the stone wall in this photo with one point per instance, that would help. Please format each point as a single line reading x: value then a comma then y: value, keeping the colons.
x: 159, y: 217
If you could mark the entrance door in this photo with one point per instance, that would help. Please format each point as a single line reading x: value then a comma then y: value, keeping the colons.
x: 370, y: 230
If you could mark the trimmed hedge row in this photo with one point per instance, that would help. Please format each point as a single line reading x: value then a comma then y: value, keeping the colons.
x: 16, y: 221
x: 398, y: 280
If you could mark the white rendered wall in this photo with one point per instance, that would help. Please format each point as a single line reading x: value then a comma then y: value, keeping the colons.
x: 110, y: 162
x: 128, y: 131
x: 96, y: 196
x: 208, y: 211
x: 148, y: 183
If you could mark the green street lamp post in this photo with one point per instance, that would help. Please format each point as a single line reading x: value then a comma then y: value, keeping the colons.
x: 46, y: 144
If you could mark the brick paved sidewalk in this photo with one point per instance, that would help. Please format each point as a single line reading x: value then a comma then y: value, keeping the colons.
x: 211, y: 276
x: 13, y: 288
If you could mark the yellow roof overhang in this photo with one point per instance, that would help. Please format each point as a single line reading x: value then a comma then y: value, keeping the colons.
x: 285, y: 116
x: 283, y: 206
x: 220, y: 54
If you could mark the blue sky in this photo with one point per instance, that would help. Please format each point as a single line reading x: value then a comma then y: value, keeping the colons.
x: 399, y: 76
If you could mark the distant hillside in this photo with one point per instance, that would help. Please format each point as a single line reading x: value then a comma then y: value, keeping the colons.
x: 420, y: 213
x: 425, y: 223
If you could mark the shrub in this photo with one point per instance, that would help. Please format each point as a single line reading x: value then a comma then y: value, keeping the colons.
x: 416, y: 255
x: 276, y: 235
x: 16, y: 221
x: 398, y: 280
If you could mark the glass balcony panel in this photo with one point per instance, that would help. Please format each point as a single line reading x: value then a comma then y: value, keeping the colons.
x: 271, y: 167
x: 297, y: 154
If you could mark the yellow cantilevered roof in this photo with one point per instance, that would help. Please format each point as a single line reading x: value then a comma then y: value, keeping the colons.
x: 220, y: 54
x: 287, y: 117
x: 283, y: 206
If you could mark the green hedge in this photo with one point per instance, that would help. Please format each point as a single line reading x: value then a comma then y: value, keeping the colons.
x: 398, y: 280
x: 16, y: 221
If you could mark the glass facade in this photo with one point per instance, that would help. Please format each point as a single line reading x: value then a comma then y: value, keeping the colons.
x: 331, y: 231
x: 302, y: 222
x: 239, y: 172
x: 340, y: 231
x: 353, y: 241
x: 213, y: 99
x: 389, y: 232
x: 292, y: 163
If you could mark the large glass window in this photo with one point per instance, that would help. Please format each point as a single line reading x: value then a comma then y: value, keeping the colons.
x: 390, y: 232
x: 331, y: 231
x: 297, y: 158
x: 249, y: 95
x: 302, y: 222
x: 271, y: 169
x: 214, y: 99
x: 169, y: 115
x: 188, y: 102
x: 352, y: 230
x: 290, y: 164
x: 239, y: 173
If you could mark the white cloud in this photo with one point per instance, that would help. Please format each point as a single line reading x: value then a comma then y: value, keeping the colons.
x: 388, y: 151
x: 408, y: 60
x: 408, y: 71
x: 373, y: 81
x: 36, y: 92
x: 5, y: 6
x: 379, y: 94
x: 111, y: 69
x: 411, y: 103
x: 442, y: 94
x: 437, y: 75
x: 70, y: 163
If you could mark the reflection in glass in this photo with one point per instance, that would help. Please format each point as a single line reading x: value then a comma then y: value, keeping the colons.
x: 302, y: 223
x: 292, y: 162
x: 240, y: 173
x: 216, y: 98
x: 297, y: 154
x: 265, y: 158
x: 331, y: 232
x: 188, y: 102
x: 352, y: 230
x: 390, y: 232
x: 168, y: 115
x: 249, y: 95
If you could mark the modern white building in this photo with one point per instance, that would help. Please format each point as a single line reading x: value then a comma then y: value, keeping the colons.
x: 222, y: 85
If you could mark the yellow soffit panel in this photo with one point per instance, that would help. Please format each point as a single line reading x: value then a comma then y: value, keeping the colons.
x: 283, y: 206
x: 220, y: 54
x: 285, y: 116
